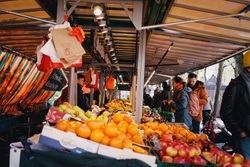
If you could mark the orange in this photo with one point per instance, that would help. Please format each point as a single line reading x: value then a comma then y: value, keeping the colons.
x: 77, y: 123
x: 62, y: 125
x: 105, y: 140
x: 153, y: 125
x: 111, y: 130
x: 71, y: 128
x: 122, y: 127
x: 132, y: 130
x: 191, y: 136
x: 121, y: 136
x: 203, y: 136
x: 83, y: 131
x: 137, y: 139
x: 95, y: 124
x: 96, y: 135
x: 162, y: 127
x: 116, y: 142
x: 128, y: 119
x: 118, y: 117
x: 148, y: 131
x: 127, y: 143
x: 183, y: 132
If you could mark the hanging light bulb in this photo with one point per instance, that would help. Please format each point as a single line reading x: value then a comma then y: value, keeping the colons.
x: 102, y: 23
x: 97, y: 10
x: 109, y: 43
x: 101, y: 16
x: 104, y: 30
x: 111, y: 49
x: 106, y: 37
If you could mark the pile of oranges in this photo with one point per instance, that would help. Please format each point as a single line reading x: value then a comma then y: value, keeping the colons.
x: 155, y: 128
x: 121, y: 132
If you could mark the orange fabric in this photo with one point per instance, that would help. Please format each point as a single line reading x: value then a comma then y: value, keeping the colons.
x: 203, y: 99
x: 110, y: 83
x: 79, y: 33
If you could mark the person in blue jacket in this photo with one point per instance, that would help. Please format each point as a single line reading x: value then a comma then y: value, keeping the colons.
x: 179, y: 102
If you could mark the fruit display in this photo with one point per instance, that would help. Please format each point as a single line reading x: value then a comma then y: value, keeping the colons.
x: 177, y: 145
x: 149, y: 115
x: 76, y: 111
x: 120, y: 132
x: 119, y: 106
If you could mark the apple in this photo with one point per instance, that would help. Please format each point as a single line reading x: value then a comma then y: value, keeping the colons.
x: 171, y: 151
x: 178, y: 146
x: 198, y: 150
x: 238, y: 158
x: 192, y: 151
x: 246, y: 162
x: 228, y: 164
x: 167, y: 137
x: 179, y: 160
x: 161, y: 153
x: 163, y: 144
x: 198, y: 160
x: 210, y: 157
x: 167, y: 158
x: 226, y: 158
x: 183, y: 152
x: 188, y: 160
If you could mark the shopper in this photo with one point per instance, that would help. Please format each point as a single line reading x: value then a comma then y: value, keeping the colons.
x: 202, y: 95
x: 82, y: 100
x: 164, y: 97
x: 179, y: 102
x: 206, y: 112
x: 235, y: 108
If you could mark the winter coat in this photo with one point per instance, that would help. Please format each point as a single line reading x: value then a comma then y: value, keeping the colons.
x: 180, y: 104
x: 235, y: 107
x: 202, y: 94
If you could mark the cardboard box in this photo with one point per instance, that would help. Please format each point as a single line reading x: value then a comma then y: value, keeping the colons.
x: 126, y: 154
x: 66, y: 141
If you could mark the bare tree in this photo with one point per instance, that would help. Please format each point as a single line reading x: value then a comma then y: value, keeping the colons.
x: 218, y: 88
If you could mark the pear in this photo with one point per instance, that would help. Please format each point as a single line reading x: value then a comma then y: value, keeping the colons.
x: 70, y: 111
x: 88, y: 114
x: 83, y: 116
x: 61, y: 107
x: 77, y: 109
x: 93, y: 117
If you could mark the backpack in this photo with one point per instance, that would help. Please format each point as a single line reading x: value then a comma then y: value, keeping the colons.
x: 193, y: 104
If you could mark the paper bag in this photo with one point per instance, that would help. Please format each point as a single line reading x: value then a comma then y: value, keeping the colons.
x: 66, y: 46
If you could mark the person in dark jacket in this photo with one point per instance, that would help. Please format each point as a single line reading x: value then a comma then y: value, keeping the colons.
x: 235, y: 108
x: 82, y: 100
x: 165, y: 96
x: 180, y: 102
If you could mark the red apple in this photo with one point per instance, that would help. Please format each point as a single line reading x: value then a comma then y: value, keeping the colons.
x: 238, y: 158
x: 192, y: 151
x: 163, y: 144
x: 198, y: 160
x: 161, y: 153
x: 198, y: 150
x: 183, y: 152
x: 188, y: 160
x: 178, y: 146
x: 167, y: 158
x: 167, y: 137
x: 179, y: 160
x: 171, y: 151
x: 226, y: 158
x: 246, y: 163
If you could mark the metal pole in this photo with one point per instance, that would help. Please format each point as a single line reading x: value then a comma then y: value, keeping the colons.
x: 169, y: 48
x: 26, y: 16
x: 192, y: 21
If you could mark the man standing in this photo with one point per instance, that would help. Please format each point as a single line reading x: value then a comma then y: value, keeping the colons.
x: 199, y: 88
x: 82, y: 100
x: 235, y: 108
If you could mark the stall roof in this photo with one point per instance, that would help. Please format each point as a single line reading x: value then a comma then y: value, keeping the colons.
x: 204, y: 32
